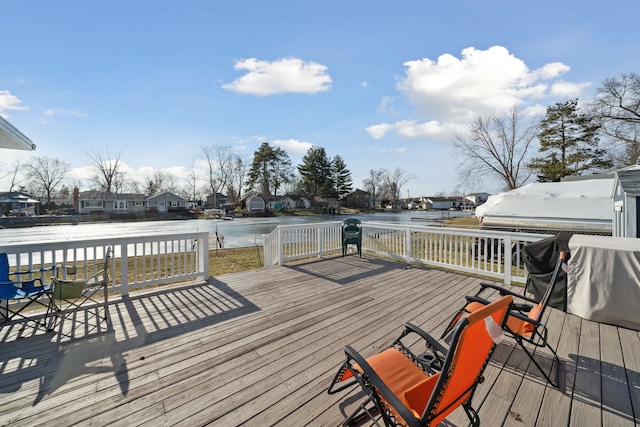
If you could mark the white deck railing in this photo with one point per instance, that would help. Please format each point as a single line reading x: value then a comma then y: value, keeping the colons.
x: 138, y: 261
x: 488, y: 253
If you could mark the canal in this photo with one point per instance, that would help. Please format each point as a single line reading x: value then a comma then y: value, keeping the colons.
x: 241, y: 232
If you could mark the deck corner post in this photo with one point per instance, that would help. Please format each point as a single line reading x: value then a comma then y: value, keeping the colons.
x: 203, y: 255
x: 280, y: 247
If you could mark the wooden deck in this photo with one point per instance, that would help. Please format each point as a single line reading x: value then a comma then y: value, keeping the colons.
x: 260, y: 348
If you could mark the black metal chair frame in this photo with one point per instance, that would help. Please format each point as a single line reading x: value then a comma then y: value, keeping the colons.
x: 520, y: 310
x: 92, y: 283
x: 379, y: 394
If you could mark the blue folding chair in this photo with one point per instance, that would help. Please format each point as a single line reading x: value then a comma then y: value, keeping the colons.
x: 24, y: 293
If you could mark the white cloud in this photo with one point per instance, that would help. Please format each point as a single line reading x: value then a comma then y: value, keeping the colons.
x: 450, y: 91
x: 280, y: 76
x: 408, y: 129
x: 385, y: 105
x: 552, y: 70
x: 293, y: 145
x: 9, y: 102
x: 394, y: 150
x: 50, y: 113
x: 564, y: 89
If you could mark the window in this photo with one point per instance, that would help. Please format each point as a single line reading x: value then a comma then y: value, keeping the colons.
x: 120, y: 206
x: 93, y: 204
x: 174, y: 203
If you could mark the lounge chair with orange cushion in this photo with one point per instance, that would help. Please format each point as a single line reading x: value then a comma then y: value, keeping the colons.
x: 525, y: 321
x: 406, y: 392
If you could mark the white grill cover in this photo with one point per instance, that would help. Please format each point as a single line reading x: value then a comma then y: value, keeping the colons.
x: 604, y: 279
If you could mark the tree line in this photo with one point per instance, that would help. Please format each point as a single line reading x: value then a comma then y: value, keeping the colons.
x: 270, y: 173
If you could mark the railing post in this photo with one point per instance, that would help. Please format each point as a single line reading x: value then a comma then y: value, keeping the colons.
x: 320, y: 229
x: 407, y: 245
x: 280, y: 247
x: 203, y: 254
x: 507, y: 260
x: 124, y: 269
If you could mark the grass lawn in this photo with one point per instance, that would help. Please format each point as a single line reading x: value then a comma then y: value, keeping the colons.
x: 233, y: 260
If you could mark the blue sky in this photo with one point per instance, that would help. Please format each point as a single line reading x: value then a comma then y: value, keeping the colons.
x: 384, y: 84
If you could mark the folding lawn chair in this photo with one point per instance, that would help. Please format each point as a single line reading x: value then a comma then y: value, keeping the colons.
x: 525, y: 319
x: 81, y: 286
x: 24, y: 294
x: 403, y: 391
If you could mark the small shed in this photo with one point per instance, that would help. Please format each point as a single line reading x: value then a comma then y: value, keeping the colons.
x: 255, y: 204
x: 626, y: 201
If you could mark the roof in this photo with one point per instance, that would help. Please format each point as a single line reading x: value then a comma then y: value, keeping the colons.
x: 165, y: 194
x: 628, y: 178
x: 103, y: 195
x: 10, y: 137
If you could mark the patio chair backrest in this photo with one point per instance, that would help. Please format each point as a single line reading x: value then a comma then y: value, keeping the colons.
x: 524, y: 328
x: 4, y: 267
x: 471, y: 348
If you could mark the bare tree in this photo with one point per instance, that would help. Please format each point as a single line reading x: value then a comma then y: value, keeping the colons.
x: 109, y: 176
x: 374, y: 184
x: 17, y: 175
x: 46, y: 174
x: 617, y: 106
x: 394, y: 182
x: 496, y: 147
x: 219, y: 160
x: 160, y: 182
x: 192, y: 184
x: 237, y: 179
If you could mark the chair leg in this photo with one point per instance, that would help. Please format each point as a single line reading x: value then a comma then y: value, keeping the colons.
x: 360, y: 412
x: 474, y: 418
x: 555, y: 362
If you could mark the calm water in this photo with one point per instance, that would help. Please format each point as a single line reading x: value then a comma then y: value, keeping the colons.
x: 240, y: 232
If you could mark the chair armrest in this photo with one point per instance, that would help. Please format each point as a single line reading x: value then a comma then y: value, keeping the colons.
x: 431, y: 342
x: 39, y: 270
x: 504, y: 292
x: 377, y: 382
x: 521, y: 307
x: 475, y: 298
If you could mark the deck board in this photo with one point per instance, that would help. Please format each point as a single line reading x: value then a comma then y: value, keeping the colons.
x: 260, y: 348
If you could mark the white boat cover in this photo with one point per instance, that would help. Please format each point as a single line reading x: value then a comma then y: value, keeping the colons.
x: 603, y: 283
x: 583, y: 205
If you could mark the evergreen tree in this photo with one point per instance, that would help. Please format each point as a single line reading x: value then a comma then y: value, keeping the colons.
x: 270, y: 170
x: 316, y: 173
x: 343, y: 184
x: 569, y: 140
